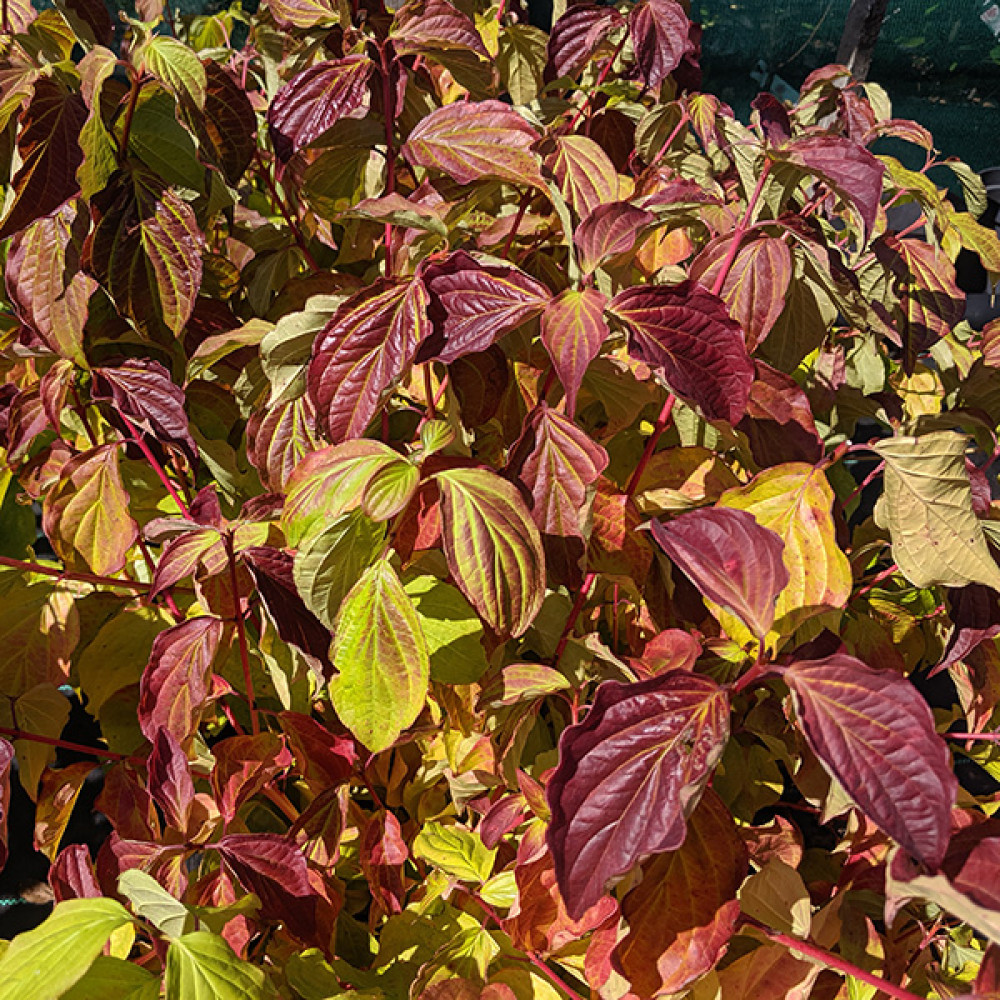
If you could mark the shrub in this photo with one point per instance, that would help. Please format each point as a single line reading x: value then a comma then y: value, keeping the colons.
x: 457, y: 448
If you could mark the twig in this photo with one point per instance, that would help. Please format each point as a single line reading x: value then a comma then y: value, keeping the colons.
x: 603, y: 76
x: 389, y: 114
x: 19, y: 734
x: 157, y: 468
x: 574, y: 614
x: 241, y: 634
x: 286, y: 214
x: 65, y: 574
x: 741, y: 228
x: 651, y: 442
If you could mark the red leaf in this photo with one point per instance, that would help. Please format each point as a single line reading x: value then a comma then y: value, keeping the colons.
x: 629, y: 775
x: 471, y: 141
x: 72, y: 875
x: 472, y: 304
x: 243, y: 766
x: 275, y: 869
x: 559, y: 473
x: 6, y: 757
x: 616, y: 547
x: 573, y: 329
x: 577, y: 36
x: 197, y: 548
x: 853, y: 172
x: 176, y: 681
x: 170, y: 781
x: 321, y: 756
x: 973, y: 861
x: 686, y: 333
x: 141, y: 389
x: 315, y: 100
x: 731, y: 559
x: 683, y: 913
x: 975, y: 613
x: 47, y: 289
x: 480, y: 381
x: 50, y: 154
x: 271, y: 570
x: 609, y: 230
x: 659, y: 30
x: 361, y: 352
x: 383, y: 854
x: 127, y: 804
x: 755, y: 285
x: 435, y: 26
x: 279, y: 437
x: 874, y: 733
x: 779, y: 422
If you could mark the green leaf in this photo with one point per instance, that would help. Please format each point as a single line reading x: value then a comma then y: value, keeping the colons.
x: 330, y: 562
x: 381, y: 654
x: 43, y: 711
x: 152, y: 902
x: 42, y: 964
x: 927, y: 506
x: 457, y: 852
x: 201, y: 966
x: 115, y: 979
x: 390, y: 490
x: 521, y: 61
x: 163, y: 144
x: 176, y: 67
x: 493, y: 548
x: 452, y: 629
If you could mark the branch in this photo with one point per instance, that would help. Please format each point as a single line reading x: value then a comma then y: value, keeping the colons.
x: 19, y: 734
x: 64, y: 574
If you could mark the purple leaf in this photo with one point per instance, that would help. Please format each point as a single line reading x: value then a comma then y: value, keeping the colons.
x: 610, y: 230
x: 660, y: 38
x: 361, y: 352
x: 577, y: 36
x: 774, y: 120
x: 686, y: 333
x: 315, y: 100
x: 731, y: 559
x: 271, y: 570
x: 573, y: 329
x: 175, y: 684
x: 243, y: 766
x: 472, y: 304
x: 874, y: 733
x: 141, y: 389
x: 275, y: 869
x: 170, y: 781
x: 853, y: 172
x: 629, y: 775
x: 975, y: 612
x: 227, y: 132
x: 72, y: 875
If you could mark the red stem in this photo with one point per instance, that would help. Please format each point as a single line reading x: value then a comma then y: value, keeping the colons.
x: 989, y: 737
x: 518, y: 218
x: 835, y: 962
x: 685, y: 118
x: 604, y: 74
x: 428, y: 392
x: 20, y: 734
x: 286, y: 214
x: 876, y: 580
x: 864, y: 482
x: 741, y: 228
x: 157, y: 468
x: 135, y: 88
x: 647, y: 453
x: 574, y: 614
x: 241, y: 634
x: 62, y: 574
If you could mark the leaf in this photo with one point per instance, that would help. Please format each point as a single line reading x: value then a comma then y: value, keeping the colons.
x: 146, y: 251
x: 472, y: 304
x: 659, y: 33
x: 201, y: 966
x: 227, y: 131
x: 315, y: 100
x: 42, y: 711
x: 170, y: 781
x: 434, y: 26
x: 777, y: 897
x: 577, y: 35
x: 38, y: 633
x: 849, y: 169
x: 330, y: 482
x: 50, y: 154
x: 573, y: 330
x: 756, y: 283
x: 243, y: 766
x: 560, y: 473
x: 45, y: 285
x: 87, y: 513
x: 686, y: 333
x: 163, y: 144
x: 390, y: 490
x: 629, y: 775
x: 362, y: 351
x: 330, y: 562
x: 521, y: 61
x: 45, y: 962
x: 141, y: 389
x: 609, y: 231
x: 177, y: 67
x: 279, y: 437
x: 874, y: 733
x: 683, y: 913
x: 273, y: 867
x: 153, y: 903
x: 769, y: 972
x: 381, y: 655
x: 493, y: 548
x: 485, y: 140
x: 455, y: 851
x: 176, y: 682
x: 936, y: 536
x: 586, y: 176
x: 795, y: 501
x: 57, y: 795
x: 452, y: 630
x: 114, y: 977
x: 731, y: 559
x: 303, y: 13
